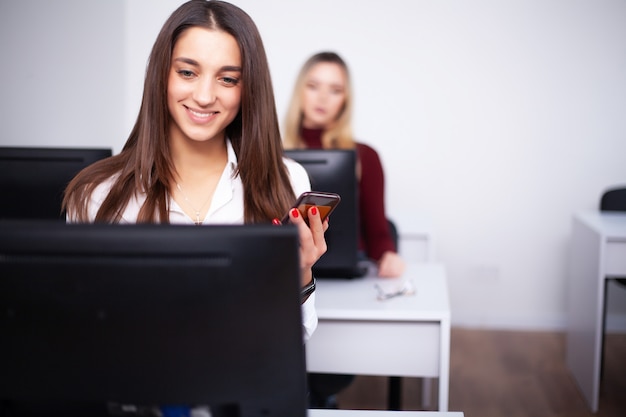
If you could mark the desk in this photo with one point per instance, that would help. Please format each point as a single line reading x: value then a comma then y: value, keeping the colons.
x: 402, y: 336
x: 376, y: 413
x: 598, y: 249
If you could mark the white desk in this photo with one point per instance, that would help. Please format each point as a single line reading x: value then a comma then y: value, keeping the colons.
x: 376, y: 413
x: 402, y: 336
x: 598, y: 249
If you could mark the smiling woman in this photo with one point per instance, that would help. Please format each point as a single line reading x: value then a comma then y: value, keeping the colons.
x: 203, y: 94
x: 201, y: 151
x: 203, y: 98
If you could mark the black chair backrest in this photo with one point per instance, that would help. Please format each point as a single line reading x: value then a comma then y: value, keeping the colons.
x: 613, y: 199
x: 394, y: 233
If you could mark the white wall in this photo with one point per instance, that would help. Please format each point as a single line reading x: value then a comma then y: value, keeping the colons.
x: 495, y: 120
x: 62, y: 73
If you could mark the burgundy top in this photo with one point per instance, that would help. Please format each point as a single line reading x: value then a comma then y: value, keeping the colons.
x: 375, y: 236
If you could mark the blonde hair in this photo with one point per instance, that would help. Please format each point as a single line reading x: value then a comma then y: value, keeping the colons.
x: 339, y: 135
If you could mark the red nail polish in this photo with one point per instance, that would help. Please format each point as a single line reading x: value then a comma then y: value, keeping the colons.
x: 276, y: 222
x: 314, y: 211
x: 295, y: 213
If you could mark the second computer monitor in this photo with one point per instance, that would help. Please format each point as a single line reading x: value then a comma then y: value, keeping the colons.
x: 32, y: 180
x: 334, y: 170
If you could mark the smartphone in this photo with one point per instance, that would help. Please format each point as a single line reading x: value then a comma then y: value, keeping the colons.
x: 325, y: 203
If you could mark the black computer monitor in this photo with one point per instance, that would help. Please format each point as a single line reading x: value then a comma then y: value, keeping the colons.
x: 99, y: 316
x: 32, y: 180
x: 335, y: 171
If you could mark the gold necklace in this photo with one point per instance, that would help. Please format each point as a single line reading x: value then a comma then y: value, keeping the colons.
x: 198, y: 222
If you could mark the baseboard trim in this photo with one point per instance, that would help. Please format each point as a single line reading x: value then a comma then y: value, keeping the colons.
x: 615, y: 322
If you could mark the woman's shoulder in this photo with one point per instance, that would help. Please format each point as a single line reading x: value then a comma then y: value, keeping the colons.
x: 365, y: 148
x: 293, y: 166
x: 299, y: 177
x: 99, y: 194
x: 102, y: 190
x: 91, y: 200
x: 366, y: 152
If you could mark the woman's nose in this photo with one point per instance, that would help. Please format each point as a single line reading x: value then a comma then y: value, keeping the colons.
x: 205, y: 92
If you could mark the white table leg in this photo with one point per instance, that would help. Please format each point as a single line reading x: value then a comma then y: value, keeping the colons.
x: 444, y: 365
x: 585, y: 310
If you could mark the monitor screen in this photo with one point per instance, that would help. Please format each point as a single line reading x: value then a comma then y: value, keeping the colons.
x: 32, y: 180
x: 97, y: 317
x: 335, y: 171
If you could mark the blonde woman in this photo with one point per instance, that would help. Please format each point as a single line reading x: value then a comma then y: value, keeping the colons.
x: 319, y: 116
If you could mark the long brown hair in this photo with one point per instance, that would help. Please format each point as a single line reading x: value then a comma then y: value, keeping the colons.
x: 340, y: 134
x: 145, y: 164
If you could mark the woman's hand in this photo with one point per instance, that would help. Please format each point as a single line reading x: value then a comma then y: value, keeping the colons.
x: 391, y: 265
x: 312, y: 242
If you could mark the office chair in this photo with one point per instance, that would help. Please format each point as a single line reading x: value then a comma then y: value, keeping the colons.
x: 393, y: 230
x: 614, y: 199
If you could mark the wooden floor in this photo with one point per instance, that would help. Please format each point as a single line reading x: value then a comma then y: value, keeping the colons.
x: 507, y: 373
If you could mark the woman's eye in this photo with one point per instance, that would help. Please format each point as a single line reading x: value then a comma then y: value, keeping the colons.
x: 185, y: 73
x: 230, y: 81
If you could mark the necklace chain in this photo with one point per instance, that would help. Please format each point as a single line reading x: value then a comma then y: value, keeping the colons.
x: 198, y: 221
